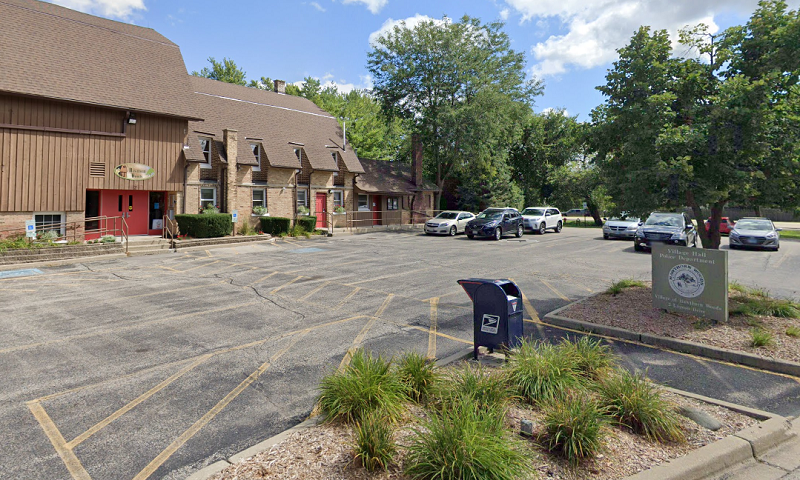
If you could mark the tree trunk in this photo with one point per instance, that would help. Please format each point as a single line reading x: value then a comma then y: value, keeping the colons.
x: 594, y: 211
x: 757, y: 210
x: 709, y: 237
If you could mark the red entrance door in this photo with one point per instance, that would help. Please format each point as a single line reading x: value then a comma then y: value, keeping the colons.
x: 129, y: 204
x: 322, y: 210
x: 376, y: 209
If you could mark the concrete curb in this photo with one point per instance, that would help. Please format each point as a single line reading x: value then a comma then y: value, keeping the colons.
x: 66, y: 261
x: 221, y: 465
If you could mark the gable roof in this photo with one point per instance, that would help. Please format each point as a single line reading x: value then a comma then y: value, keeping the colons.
x: 381, y: 176
x: 280, y: 123
x: 54, y: 52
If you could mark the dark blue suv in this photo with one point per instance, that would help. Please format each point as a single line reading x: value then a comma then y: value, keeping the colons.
x: 495, y: 222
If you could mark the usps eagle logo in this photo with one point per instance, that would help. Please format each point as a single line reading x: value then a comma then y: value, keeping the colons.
x: 686, y: 281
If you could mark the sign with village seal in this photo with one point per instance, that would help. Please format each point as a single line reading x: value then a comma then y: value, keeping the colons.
x: 692, y: 281
x: 134, y: 171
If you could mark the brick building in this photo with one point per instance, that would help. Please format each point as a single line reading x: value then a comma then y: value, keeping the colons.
x: 388, y: 193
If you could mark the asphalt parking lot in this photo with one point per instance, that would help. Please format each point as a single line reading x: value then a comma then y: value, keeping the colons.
x: 153, y: 367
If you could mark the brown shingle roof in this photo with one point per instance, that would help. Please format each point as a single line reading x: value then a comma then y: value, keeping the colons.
x: 54, y: 52
x: 381, y: 176
x: 281, y: 122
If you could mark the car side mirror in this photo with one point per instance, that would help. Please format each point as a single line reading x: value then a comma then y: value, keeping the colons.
x: 641, y: 223
x: 778, y: 229
x: 689, y: 227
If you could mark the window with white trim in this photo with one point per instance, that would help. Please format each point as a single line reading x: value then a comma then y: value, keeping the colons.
x: 391, y: 203
x: 208, y: 196
x: 257, y: 153
x: 259, y: 198
x: 205, y: 147
x: 338, y: 198
x: 363, y: 203
x: 302, y: 198
x: 50, y: 221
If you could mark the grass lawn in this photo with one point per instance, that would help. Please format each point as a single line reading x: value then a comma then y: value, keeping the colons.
x: 793, y: 234
x: 588, y: 223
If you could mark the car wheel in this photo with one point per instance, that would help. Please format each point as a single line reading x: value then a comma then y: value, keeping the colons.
x: 520, y: 231
x: 542, y: 228
x: 733, y: 247
x: 427, y: 233
x: 605, y: 236
x: 558, y: 227
x: 498, y: 233
x: 470, y: 236
x: 453, y: 231
x: 637, y: 247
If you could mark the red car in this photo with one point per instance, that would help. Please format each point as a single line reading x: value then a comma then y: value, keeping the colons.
x: 725, y: 225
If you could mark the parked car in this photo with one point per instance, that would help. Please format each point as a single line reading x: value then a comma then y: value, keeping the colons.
x: 541, y: 219
x: 755, y: 233
x: 577, y: 212
x: 620, y: 227
x: 448, y: 223
x: 495, y: 222
x: 672, y: 228
x: 725, y: 225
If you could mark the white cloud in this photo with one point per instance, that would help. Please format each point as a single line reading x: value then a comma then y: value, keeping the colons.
x: 373, y: 6
x: 562, y: 111
x: 327, y: 80
x: 504, y: 14
x: 107, y: 8
x: 596, y: 29
x: 318, y: 6
x: 410, y: 22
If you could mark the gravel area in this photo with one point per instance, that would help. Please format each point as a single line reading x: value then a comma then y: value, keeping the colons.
x: 632, y: 310
x: 324, y: 451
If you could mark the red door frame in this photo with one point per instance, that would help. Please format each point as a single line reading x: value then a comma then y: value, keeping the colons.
x: 376, y: 209
x: 322, y: 209
x: 135, y: 208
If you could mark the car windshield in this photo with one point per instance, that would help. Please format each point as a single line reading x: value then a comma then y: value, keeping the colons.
x: 538, y: 212
x: 665, y: 220
x: 754, y: 225
x: 491, y: 215
x: 447, y: 216
x: 624, y: 219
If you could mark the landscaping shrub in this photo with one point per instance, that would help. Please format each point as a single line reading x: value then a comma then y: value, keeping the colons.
x: 418, y: 374
x: 760, y: 337
x: 465, y: 442
x: 766, y: 306
x: 542, y: 372
x: 298, y: 231
x: 367, y: 385
x: 275, y: 225
x: 488, y: 389
x: 13, y: 243
x: 620, y: 285
x: 793, y: 331
x: 592, y: 359
x: 307, y: 223
x: 205, y: 225
x: 373, y: 443
x: 574, y: 426
x: 637, y: 404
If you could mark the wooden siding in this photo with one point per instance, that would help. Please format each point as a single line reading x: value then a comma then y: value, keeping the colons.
x: 43, y: 168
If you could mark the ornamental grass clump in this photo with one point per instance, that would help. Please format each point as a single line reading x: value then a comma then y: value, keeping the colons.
x: 793, y: 331
x: 592, y: 359
x: 637, y: 404
x: 465, y: 442
x: 373, y: 441
x: 368, y: 384
x: 487, y: 388
x: 541, y: 372
x: 574, y: 426
x: 760, y: 337
x: 418, y: 374
x: 617, y: 287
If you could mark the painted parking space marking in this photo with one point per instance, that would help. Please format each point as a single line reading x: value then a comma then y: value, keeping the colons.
x: 432, y: 334
x: 553, y: 289
x: 20, y: 273
x: 307, y: 250
x: 276, y: 290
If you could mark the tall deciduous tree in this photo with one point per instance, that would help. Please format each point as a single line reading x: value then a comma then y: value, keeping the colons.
x: 224, y: 71
x: 459, y: 85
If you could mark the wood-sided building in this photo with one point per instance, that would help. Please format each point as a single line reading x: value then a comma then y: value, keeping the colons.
x: 93, y: 119
x: 258, y: 148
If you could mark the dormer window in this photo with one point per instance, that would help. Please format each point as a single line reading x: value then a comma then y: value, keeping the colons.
x: 205, y: 147
x: 257, y: 153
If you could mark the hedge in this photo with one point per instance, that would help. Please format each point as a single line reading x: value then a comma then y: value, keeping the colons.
x: 308, y: 223
x: 275, y: 225
x: 205, y: 225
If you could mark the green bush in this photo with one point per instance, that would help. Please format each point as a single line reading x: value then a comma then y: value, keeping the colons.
x: 574, y: 427
x: 760, y: 337
x: 620, y: 285
x: 205, y: 225
x: 593, y: 360
x: 418, y: 374
x: 465, y: 442
x: 275, y: 225
x: 637, y: 404
x: 489, y: 389
x: 373, y: 443
x: 298, y: 231
x: 542, y: 372
x: 793, y: 331
x: 307, y: 223
x: 367, y: 385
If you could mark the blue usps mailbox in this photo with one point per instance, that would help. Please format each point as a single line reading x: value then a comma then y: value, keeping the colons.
x: 496, y: 313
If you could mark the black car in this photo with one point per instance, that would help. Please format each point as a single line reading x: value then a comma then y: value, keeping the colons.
x: 494, y: 222
x: 672, y: 228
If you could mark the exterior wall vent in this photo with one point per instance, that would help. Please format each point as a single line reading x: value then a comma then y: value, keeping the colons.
x: 97, y: 169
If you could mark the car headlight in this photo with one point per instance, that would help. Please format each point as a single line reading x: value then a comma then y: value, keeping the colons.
x: 734, y: 234
x: 639, y: 234
x: 633, y: 227
x: 606, y: 228
x: 772, y: 235
x: 679, y: 236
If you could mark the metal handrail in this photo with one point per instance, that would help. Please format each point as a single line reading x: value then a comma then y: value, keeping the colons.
x: 366, y: 218
x: 169, y: 228
x: 115, y: 226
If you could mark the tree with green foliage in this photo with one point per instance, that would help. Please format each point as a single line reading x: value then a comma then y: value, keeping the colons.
x: 679, y: 132
x: 264, y: 83
x: 580, y: 181
x: 460, y: 86
x: 224, y: 71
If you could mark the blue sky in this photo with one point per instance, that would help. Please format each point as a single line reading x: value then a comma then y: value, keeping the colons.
x: 569, y: 44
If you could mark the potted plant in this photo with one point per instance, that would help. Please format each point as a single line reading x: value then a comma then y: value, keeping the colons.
x: 339, y: 210
x: 302, y: 210
x: 260, y: 211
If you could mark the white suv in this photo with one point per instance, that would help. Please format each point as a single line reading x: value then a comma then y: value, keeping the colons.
x: 541, y: 219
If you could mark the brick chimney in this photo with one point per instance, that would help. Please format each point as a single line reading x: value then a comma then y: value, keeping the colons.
x: 416, y: 161
x: 229, y: 138
x: 280, y: 86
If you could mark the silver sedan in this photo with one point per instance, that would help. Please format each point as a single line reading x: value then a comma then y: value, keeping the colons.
x: 448, y: 223
x: 755, y: 233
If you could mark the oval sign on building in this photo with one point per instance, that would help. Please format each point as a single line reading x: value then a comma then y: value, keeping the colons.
x: 134, y: 171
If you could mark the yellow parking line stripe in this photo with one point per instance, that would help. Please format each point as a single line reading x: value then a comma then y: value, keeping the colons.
x: 547, y: 284
x: 200, y: 266
x: 192, y: 431
x: 432, y: 334
x: 384, y: 305
x: 363, y: 333
x: 286, y: 284
x: 67, y: 456
x: 348, y: 297
x: 261, y: 279
x: 389, y: 276
x: 312, y: 292
x: 208, y: 253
